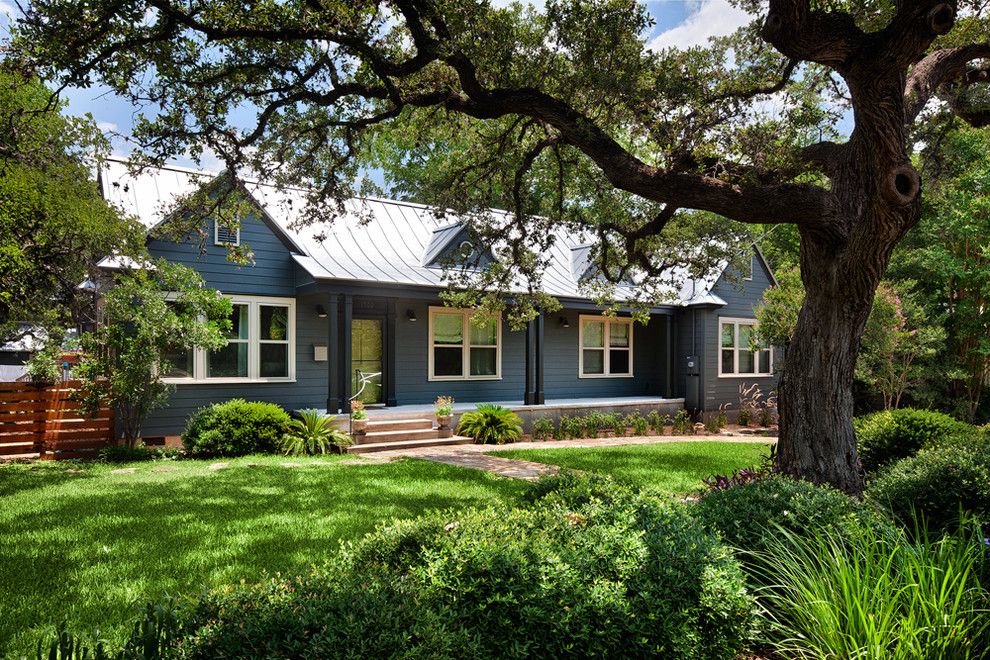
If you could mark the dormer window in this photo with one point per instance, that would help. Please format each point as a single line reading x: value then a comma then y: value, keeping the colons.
x: 225, y: 235
x: 466, y: 249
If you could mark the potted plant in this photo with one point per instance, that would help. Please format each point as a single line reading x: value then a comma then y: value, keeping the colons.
x: 359, y: 417
x: 444, y: 409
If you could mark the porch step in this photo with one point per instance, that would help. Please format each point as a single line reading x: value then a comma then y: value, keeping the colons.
x: 365, y: 448
x: 394, y: 436
x: 400, y: 425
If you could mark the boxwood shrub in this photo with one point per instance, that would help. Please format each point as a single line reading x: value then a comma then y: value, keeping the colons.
x: 235, y: 428
x: 891, y: 435
x: 748, y: 515
x: 592, y: 570
x: 936, y: 485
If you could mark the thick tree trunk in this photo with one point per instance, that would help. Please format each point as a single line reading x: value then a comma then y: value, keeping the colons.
x: 817, y: 441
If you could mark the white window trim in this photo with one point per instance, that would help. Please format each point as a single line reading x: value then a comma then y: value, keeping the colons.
x: 736, y: 322
x: 216, y: 235
x: 752, y: 268
x: 466, y: 345
x: 254, y: 343
x: 608, y: 320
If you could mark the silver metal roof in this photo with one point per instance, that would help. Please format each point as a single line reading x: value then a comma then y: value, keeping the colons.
x: 375, y: 240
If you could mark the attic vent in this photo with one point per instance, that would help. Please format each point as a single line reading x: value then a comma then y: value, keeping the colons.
x: 224, y: 235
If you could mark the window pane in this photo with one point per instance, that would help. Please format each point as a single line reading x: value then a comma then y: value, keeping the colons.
x: 448, y: 362
x: 228, y: 362
x: 180, y: 362
x: 594, y: 334
x: 728, y: 357
x: 618, y: 335
x: 239, y: 322
x: 274, y: 361
x: 728, y: 335
x: 618, y: 361
x: 747, y: 362
x: 485, y: 335
x: 483, y: 361
x: 745, y: 337
x: 765, y: 361
x: 448, y: 329
x: 274, y: 323
x: 594, y: 361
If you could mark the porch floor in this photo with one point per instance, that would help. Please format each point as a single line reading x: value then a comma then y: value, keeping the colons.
x: 415, y: 410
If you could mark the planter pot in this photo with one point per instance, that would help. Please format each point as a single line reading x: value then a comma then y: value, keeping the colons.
x: 443, y: 421
x: 359, y: 425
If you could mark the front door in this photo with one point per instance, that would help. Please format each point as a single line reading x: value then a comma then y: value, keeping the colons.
x: 366, y: 360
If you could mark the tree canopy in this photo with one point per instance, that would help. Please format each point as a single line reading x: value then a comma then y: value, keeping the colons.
x: 54, y: 226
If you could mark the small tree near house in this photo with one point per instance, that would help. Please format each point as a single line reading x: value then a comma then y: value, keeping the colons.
x: 148, y: 315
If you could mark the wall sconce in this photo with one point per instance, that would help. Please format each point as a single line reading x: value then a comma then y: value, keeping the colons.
x: 410, y: 315
x: 564, y: 323
x: 321, y: 312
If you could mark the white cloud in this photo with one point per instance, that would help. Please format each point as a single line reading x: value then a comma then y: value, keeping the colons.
x: 8, y: 9
x: 107, y: 126
x: 712, y: 18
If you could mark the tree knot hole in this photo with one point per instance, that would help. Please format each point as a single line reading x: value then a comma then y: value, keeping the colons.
x: 941, y: 18
x: 772, y: 25
x: 903, y: 184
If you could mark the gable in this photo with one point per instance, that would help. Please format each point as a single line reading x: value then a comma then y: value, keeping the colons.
x: 743, y: 294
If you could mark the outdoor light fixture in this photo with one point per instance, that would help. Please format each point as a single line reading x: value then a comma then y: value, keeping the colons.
x: 564, y: 323
x: 321, y: 312
x: 411, y: 315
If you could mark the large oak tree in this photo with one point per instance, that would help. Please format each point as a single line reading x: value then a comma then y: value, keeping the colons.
x: 566, y: 117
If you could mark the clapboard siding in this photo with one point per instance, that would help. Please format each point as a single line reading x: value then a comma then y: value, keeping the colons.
x: 560, y: 363
x: 308, y: 391
x: 742, y: 298
x: 271, y: 274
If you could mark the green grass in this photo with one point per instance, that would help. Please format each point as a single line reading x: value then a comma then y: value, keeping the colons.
x: 676, y: 467
x: 86, y: 547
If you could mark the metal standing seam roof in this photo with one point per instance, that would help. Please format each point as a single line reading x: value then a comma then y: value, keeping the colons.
x: 398, y: 244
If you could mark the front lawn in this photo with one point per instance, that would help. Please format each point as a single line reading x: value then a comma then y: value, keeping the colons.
x: 675, y: 467
x: 86, y: 546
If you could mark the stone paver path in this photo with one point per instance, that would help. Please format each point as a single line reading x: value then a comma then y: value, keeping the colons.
x: 473, y: 456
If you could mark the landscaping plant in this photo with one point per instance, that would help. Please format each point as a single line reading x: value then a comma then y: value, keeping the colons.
x: 235, y: 428
x: 890, y: 435
x: 150, y: 314
x: 658, y: 422
x: 682, y: 423
x: 589, y: 569
x: 936, y: 485
x: 490, y: 424
x: 639, y: 424
x: 872, y: 595
x: 543, y: 429
x: 313, y: 432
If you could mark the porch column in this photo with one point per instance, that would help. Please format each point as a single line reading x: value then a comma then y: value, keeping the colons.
x: 390, y: 352
x: 528, y: 394
x: 668, y: 384
x: 539, y: 343
x: 346, y: 387
x: 333, y: 355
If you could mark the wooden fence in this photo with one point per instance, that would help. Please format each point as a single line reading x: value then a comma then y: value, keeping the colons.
x: 47, y: 421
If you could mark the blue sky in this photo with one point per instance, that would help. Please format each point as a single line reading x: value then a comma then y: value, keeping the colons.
x: 678, y: 23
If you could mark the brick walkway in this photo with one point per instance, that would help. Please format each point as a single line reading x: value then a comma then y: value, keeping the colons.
x: 473, y: 456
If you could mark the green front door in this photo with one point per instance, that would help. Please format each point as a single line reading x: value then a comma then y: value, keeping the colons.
x: 366, y: 360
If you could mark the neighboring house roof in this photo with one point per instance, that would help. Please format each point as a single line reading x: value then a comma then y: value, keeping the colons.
x: 375, y: 240
x: 12, y: 372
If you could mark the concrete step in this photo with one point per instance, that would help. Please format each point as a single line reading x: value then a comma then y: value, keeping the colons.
x: 395, y: 436
x: 408, y: 444
x: 400, y: 425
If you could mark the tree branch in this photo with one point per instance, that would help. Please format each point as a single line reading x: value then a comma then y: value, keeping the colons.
x: 937, y: 70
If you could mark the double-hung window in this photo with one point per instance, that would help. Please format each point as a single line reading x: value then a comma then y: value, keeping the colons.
x: 606, y: 347
x: 462, y: 347
x: 739, y: 354
x: 260, y: 346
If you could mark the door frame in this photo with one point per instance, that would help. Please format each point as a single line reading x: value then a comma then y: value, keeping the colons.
x: 383, y: 319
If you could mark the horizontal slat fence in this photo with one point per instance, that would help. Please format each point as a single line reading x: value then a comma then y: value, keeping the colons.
x: 47, y: 421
